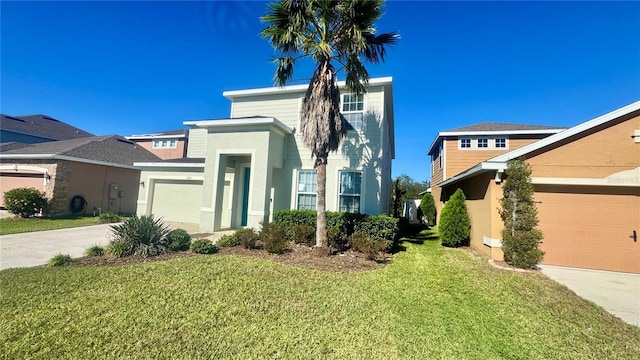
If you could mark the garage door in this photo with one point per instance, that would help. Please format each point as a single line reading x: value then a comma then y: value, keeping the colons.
x: 11, y: 180
x: 177, y: 200
x: 591, y: 231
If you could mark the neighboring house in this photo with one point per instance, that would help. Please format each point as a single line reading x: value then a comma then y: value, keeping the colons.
x: 33, y: 129
x: 587, y: 191
x: 165, y: 145
x: 239, y: 170
x: 78, y: 175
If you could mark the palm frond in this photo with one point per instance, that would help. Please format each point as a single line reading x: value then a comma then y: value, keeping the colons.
x: 284, y: 70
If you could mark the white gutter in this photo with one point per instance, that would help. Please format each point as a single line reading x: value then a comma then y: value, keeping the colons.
x: 294, y: 88
x: 151, y: 136
x: 164, y: 164
x: 63, y: 157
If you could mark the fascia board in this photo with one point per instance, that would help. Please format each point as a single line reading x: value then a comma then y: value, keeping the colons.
x: 225, y: 123
x: 172, y: 165
x: 151, y: 136
x: 500, y: 132
x: 293, y: 88
x: 480, y: 168
x: 64, y: 157
x: 568, y: 132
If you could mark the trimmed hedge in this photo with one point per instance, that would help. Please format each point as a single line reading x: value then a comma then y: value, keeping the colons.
x: 428, y: 207
x: 455, y: 225
x: 341, y: 226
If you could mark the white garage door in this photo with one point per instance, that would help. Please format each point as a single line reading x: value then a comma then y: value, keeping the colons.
x: 177, y: 200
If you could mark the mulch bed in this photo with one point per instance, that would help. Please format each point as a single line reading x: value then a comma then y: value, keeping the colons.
x: 298, y: 255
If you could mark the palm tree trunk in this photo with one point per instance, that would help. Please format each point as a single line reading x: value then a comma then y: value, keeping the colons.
x: 322, y: 240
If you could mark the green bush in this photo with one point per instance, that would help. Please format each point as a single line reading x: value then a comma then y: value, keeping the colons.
x: 371, y: 247
x: 428, y: 208
x: 228, y: 241
x: 247, y: 237
x: 118, y: 248
x: 95, y: 250
x: 178, y: 240
x: 379, y: 228
x: 142, y: 236
x: 108, y: 218
x: 455, y: 225
x: 59, y: 260
x: 273, y: 237
x: 303, y: 234
x: 203, y: 246
x: 25, y: 202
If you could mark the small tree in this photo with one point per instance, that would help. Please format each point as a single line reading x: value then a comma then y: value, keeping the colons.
x: 455, y: 225
x: 24, y: 202
x: 520, y: 238
x: 428, y: 207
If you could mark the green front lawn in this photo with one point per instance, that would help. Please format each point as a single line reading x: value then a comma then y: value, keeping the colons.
x: 431, y: 302
x: 18, y: 225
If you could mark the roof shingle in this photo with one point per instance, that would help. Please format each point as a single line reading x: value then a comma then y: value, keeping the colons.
x: 42, y: 126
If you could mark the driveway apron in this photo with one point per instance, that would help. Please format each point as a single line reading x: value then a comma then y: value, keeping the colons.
x: 36, y: 248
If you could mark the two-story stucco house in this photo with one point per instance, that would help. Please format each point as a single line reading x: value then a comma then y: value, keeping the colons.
x: 165, y: 145
x: 586, y: 181
x: 239, y: 170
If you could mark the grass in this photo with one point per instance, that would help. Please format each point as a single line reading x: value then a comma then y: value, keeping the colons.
x: 18, y: 225
x: 431, y: 302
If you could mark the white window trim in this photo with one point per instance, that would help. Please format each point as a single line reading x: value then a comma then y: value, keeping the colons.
x: 460, y: 143
x: 297, y: 192
x: 364, y: 107
x: 362, y: 187
x: 506, y: 143
x: 168, y: 142
x: 478, y: 143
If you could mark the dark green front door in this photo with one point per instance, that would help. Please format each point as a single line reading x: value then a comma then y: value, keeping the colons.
x: 245, y: 196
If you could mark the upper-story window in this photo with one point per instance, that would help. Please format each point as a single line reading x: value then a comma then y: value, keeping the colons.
x: 501, y: 143
x: 483, y: 143
x: 165, y: 144
x: 465, y: 143
x: 353, y: 111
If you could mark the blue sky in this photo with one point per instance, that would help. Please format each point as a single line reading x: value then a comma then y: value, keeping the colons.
x: 139, y: 67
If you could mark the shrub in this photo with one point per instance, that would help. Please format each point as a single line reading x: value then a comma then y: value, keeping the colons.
x: 228, y: 241
x: 203, y: 246
x: 118, y: 248
x: 25, y: 202
x: 428, y: 208
x: 303, y: 234
x: 95, y: 250
x: 371, y: 247
x: 178, y: 240
x: 379, y: 228
x: 108, y: 218
x: 455, y: 225
x: 247, y: 237
x: 520, y: 238
x: 273, y: 237
x: 143, y: 236
x: 59, y: 260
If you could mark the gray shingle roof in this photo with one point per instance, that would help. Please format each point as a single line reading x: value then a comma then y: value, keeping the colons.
x: 109, y: 148
x: 42, y: 126
x: 495, y: 126
x: 159, y: 133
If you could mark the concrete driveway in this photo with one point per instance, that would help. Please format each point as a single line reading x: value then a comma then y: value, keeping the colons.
x: 36, y: 248
x: 618, y: 293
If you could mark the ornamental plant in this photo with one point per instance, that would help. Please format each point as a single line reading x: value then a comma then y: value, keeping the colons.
x: 143, y: 236
x: 428, y: 207
x: 25, y: 202
x: 455, y: 224
x: 520, y: 237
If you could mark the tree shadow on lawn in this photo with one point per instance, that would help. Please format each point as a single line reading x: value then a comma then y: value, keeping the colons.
x: 415, y: 234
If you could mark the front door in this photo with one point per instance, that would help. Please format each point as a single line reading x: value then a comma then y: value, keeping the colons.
x: 245, y: 196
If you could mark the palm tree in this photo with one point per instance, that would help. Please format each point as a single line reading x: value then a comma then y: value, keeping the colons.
x: 328, y: 31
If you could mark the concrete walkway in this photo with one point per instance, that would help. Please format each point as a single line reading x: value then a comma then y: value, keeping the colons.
x: 36, y: 248
x: 618, y: 293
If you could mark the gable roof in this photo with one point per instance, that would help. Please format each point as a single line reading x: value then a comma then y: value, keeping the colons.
x: 500, y: 162
x: 41, y: 126
x: 494, y: 128
x: 111, y: 150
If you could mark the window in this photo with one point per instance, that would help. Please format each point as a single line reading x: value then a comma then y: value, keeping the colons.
x: 483, y: 143
x: 307, y: 189
x: 501, y: 143
x: 465, y: 143
x: 353, y: 111
x: 350, y: 182
x: 165, y: 144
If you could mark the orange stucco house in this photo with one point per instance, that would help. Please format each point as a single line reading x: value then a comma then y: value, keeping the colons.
x: 586, y: 179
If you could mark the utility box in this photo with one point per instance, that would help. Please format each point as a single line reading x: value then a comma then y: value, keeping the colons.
x: 113, y: 191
